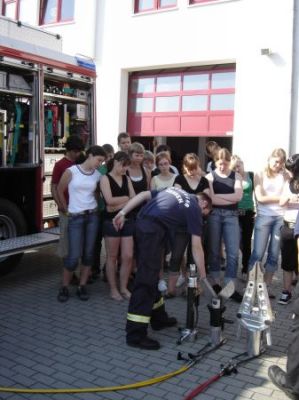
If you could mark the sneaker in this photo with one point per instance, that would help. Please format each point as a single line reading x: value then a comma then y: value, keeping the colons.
x: 237, y: 297
x: 180, y: 282
x: 278, y: 377
x: 162, y: 285
x: 145, y: 343
x: 285, y: 297
x: 63, y: 294
x: 82, y: 293
x: 165, y: 323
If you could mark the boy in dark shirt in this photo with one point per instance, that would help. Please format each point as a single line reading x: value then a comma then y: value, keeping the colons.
x: 165, y: 211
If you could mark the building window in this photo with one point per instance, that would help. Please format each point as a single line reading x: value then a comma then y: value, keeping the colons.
x: 19, y: 10
x: 153, y: 5
x: 194, y: 103
x: 55, y: 11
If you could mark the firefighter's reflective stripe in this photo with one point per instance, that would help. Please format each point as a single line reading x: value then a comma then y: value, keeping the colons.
x: 138, y: 318
x: 158, y: 303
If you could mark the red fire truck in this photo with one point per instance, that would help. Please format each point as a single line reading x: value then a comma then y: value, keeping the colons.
x: 45, y: 96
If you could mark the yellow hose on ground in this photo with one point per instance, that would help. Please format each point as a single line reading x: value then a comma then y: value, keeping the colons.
x: 136, y: 385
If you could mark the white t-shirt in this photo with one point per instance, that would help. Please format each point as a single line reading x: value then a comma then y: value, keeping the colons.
x: 82, y: 189
x: 272, y: 187
x: 291, y: 210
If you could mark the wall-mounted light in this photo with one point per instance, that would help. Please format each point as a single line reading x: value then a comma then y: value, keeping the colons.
x: 266, y: 51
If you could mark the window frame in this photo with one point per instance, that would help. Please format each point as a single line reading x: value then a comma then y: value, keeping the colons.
x: 58, y: 19
x: 156, y: 7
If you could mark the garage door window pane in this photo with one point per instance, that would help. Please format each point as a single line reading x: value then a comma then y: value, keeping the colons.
x: 194, y: 103
x: 168, y: 84
x: 223, y: 80
x: 167, y: 104
x: 142, y: 105
x: 143, y: 85
x: 196, y: 82
x: 222, y: 102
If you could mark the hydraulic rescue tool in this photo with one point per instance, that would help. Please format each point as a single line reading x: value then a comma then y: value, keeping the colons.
x: 216, y: 308
x: 255, y: 312
x: 191, y: 329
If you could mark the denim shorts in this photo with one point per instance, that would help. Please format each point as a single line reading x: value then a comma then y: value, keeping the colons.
x: 127, y: 230
x: 82, y: 233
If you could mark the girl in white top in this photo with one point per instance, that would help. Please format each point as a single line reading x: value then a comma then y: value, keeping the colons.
x: 82, y: 182
x: 268, y: 189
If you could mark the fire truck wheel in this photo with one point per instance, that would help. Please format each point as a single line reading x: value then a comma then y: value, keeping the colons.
x: 12, y: 224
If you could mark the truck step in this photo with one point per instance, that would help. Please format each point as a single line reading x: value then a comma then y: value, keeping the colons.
x: 20, y: 244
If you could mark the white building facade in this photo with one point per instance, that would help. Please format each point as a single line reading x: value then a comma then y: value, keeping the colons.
x: 186, y: 71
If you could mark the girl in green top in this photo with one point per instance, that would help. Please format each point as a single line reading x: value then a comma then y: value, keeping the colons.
x: 246, y: 211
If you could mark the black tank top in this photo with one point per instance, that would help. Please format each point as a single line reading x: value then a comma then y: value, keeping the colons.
x: 117, y: 191
x: 141, y: 185
x: 182, y: 181
x: 224, y: 186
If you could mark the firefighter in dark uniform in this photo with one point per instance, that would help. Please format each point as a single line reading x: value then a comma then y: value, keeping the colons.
x: 165, y: 211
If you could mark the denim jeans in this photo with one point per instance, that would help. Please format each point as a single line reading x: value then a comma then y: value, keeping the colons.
x: 82, y: 232
x: 223, y: 224
x: 266, y: 230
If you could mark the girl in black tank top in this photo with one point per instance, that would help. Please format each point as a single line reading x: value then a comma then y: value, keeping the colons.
x: 224, y: 185
x: 117, y: 189
x: 136, y: 172
x: 192, y: 182
x: 223, y: 222
x: 139, y: 185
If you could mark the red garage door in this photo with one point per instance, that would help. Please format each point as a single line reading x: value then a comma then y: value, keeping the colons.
x: 186, y: 103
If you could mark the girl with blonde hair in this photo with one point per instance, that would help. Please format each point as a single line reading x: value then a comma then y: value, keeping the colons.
x: 268, y: 188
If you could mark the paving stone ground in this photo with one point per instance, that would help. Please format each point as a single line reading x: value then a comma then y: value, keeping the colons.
x: 46, y: 344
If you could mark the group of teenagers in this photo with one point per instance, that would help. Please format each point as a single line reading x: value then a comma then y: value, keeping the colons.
x: 117, y: 195
x: 144, y: 208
